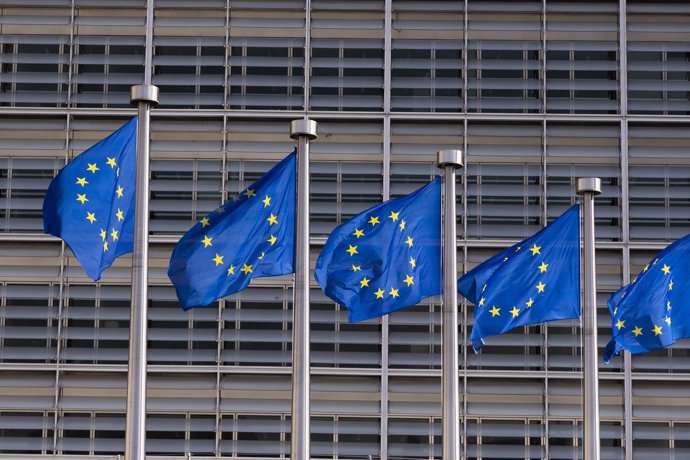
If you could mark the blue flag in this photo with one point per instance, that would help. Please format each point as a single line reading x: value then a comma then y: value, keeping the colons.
x: 386, y: 258
x: 654, y: 310
x: 250, y: 237
x: 90, y: 203
x: 534, y: 281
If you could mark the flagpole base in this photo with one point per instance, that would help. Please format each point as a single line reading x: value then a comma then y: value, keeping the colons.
x: 144, y: 93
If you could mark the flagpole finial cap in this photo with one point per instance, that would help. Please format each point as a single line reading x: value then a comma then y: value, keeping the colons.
x: 589, y: 184
x: 450, y: 157
x: 304, y: 127
x: 146, y: 93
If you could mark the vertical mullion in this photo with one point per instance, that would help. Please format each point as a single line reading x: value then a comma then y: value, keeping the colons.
x: 226, y: 64
x: 465, y: 61
x: 221, y: 302
x: 543, y: 57
x: 70, y: 60
x: 385, y: 324
x: 58, y: 341
x: 307, y: 55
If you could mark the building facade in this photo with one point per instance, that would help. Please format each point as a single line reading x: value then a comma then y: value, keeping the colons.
x: 536, y: 92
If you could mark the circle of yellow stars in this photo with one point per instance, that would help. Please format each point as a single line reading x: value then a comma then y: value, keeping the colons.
x: 658, y: 328
x: 88, y: 179
x: 219, y: 260
x: 381, y: 293
x: 540, y: 287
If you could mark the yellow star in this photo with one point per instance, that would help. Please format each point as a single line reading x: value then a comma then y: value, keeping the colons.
x: 529, y: 303
x: 394, y: 216
x: 409, y: 280
x: 668, y: 320
x: 231, y: 270
x: 402, y: 225
x: 358, y: 233
x: 615, y: 311
x: 481, y: 301
x: 646, y: 267
x: 655, y: 261
x: 356, y: 268
x: 246, y: 269
x: 413, y: 262
x: 352, y: 250
x: 272, y: 220
x: 484, y: 288
x: 542, y: 267
x: 207, y: 241
x: 82, y: 198
x: 374, y: 220
x: 117, y: 172
x: 666, y: 269
x: 637, y: 331
x: 364, y: 282
x: 81, y: 181
x: 535, y: 249
x: 408, y: 241
x: 218, y: 259
x: 541, y: 286
x: 103, y: 234
x: 204, y: 222
x: 515, y: 312
x: 505, y: 259
x: 495, y: 311
x: 93, y: 168
x: 657, y: 330
x: 249, y: 193
x: 105, y: 246
x: 379, y: 293
x: 91, y: 217
x: 261, y: 257
x: 113, y: 235
x: 119, y: 191
x: 119, y: 214
x: 394, y: 293
x: 111, y: 162
x: 668, y: 305
x: 620, y: 324
x: 518, y: 249
x: 272, y: 240
x: 267, y: 201
x: 670, y: 286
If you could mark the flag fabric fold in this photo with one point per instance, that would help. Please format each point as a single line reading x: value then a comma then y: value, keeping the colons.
x: 385, y: 258
x: 653, y: 311
x: 90, y: 203
x: 249, y: 237
x: 532, y: 282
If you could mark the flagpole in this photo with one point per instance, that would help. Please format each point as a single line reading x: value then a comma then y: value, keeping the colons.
x: 304, y: 131
x: 145, y: 96
x: 588, y: 187
x: 449, y: 161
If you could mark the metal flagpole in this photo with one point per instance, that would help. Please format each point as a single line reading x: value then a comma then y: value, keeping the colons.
x: 145, y: 96
x: 588, y: 187
x: 304, y: 131
x: 449, y: 161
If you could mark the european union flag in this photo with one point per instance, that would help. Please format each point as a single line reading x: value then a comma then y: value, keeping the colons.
x: 654, y: 310
x: 534, y: 281
x: 386, y: 258
x: 90, y: 203
x: 252, y: 236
